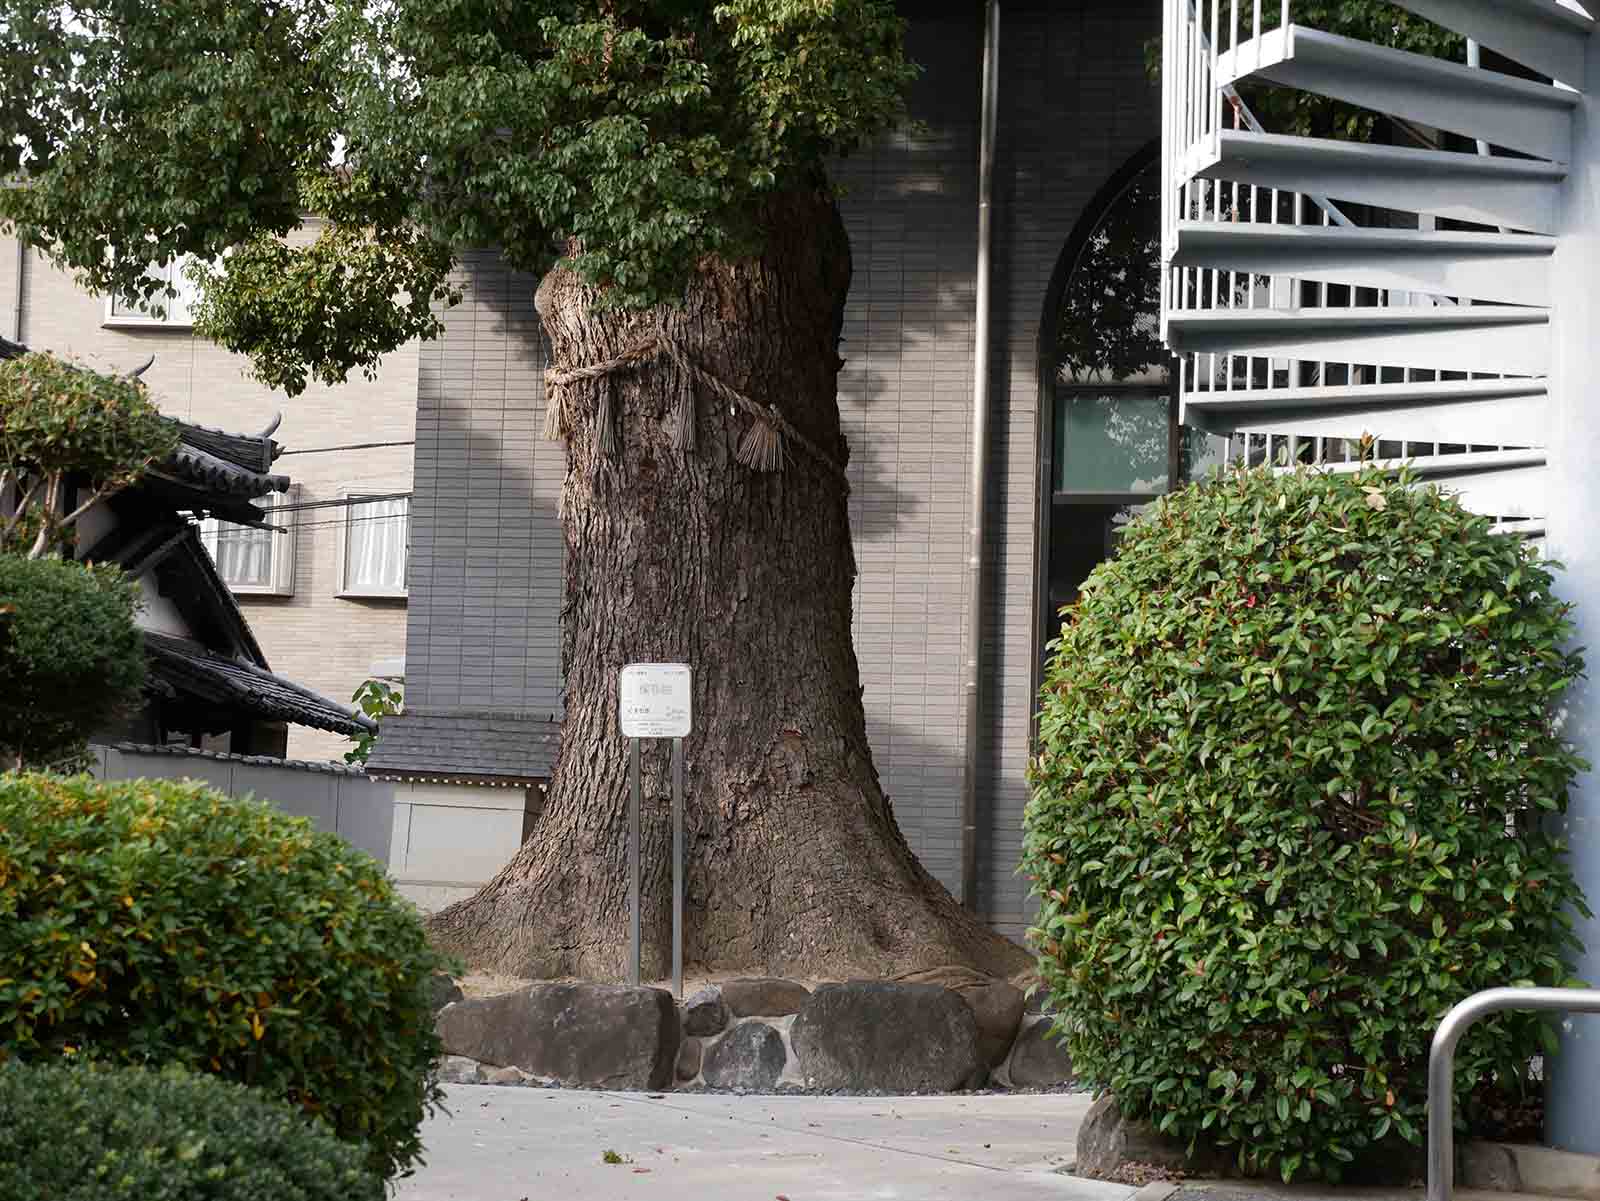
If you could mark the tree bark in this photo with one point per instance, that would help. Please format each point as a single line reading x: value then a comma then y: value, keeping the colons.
x: 794, y: 862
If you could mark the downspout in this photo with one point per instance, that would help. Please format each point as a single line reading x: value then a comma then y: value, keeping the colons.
x: 978, y: 502
x: 16, y: 308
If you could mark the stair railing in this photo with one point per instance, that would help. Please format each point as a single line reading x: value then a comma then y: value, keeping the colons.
x: 1195, y: 113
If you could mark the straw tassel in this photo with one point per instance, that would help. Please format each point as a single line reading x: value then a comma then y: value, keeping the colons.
x: 606, y: 428
x: 555, y: 411
x: 761, y: 449
x: 683, y: 422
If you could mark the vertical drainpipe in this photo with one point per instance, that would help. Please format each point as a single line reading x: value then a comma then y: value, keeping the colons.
x: 1572, y: 1119
x: 978, y: 501
x: 16, y: 308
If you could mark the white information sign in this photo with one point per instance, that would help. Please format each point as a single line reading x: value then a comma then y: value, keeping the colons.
x: 654, y: 700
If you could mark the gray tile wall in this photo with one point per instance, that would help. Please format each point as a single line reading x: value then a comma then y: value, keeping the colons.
x: 1075, y: 105
x: 486, y: 545
x: 485, y: 584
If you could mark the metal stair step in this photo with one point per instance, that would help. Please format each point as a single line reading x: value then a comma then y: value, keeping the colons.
x: 1481, y: 338
x: 1510, y: 268
x: 1533, y: 118
x: 1493, y: 412
x: 1489, y: 190
x: 1547, y: 35
x: 1501, y: 483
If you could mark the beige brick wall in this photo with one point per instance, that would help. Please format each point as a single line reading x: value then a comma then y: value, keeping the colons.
x: 314, y: 637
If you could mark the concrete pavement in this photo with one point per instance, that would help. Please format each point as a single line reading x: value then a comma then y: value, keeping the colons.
x: 511, y: 1144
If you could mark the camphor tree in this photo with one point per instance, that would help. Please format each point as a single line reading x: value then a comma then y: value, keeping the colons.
x: 661, y: 165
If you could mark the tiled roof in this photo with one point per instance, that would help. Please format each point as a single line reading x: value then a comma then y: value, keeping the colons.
x: 230, y: 466
x: 495, y: 747
x: 326, y: 766
x: 207, y: 471
x: 188, y: 667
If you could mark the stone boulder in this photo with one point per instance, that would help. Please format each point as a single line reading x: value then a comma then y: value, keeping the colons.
x: 954, y: 975
x: 996, y: 1003
x: 890, y: 1037
x: 1107, y: 1141
x: 442, y: 991
x: 689, y: 1059
x: 1038, y: 1060
x: 763, y: 997
x: 704, y: 1013
x: 458, y: 1069
x: 599, y: 1035
x: 998, y: 1008
x: 750, y: 1056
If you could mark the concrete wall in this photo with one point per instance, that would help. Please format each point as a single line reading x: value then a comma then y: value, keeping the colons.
x: 448, y: 839
x: 1076, y: 104
x: 316, y: 638
x: 340, y: 801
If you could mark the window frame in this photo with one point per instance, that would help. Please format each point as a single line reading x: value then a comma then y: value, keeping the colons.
x: 283, y: 548
x: 345, y: 591
x: 127, y: 318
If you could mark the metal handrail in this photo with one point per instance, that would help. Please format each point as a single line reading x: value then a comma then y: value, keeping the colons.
x: 1441, y: 1065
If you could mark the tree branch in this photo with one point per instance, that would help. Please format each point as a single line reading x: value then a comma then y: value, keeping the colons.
x: 22, y: 507
x: 99, y: 494
x: 52, y: 497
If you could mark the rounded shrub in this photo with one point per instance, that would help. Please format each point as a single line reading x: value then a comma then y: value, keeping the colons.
x: 1295, y: 742
x: 70, y: 655
x: 80, y: 1132
x: 159, y: 922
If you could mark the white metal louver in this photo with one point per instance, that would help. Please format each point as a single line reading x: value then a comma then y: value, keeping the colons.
x: 1320, y: 289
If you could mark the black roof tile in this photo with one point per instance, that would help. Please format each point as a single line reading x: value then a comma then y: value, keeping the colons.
x: 189, y: 668
x: 491, y: 745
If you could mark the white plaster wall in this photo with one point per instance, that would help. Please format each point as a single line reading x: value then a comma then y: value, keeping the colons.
x: 449, y: 839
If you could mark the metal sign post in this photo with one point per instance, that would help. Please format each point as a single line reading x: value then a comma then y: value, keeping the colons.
x: 677, y: 867
x: 655, y: 700
x: 633, y: 864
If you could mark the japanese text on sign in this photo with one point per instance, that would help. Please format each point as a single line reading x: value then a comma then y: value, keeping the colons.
x: 655, y: 700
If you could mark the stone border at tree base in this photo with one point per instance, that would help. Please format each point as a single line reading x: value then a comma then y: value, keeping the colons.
x: 1110, y: 1147
x: 1527, y: 1168
x: 758, y: 1035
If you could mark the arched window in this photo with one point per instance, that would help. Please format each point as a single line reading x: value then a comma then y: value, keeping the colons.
x: 1110, y: 439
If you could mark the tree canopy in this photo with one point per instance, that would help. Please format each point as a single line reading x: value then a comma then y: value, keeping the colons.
x: 625, y: 138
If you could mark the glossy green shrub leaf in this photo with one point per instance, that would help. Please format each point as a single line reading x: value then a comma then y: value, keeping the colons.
x: 71, y: 657
x: 78, y: 1131
x: 159, y: 922
x: 1295, y: 741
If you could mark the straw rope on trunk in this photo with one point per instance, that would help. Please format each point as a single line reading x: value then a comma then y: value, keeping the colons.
x: 762, y: 447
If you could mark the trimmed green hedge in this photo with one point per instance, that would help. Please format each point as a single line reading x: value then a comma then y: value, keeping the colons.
x: 70, y: 656
x: 1295, y: 743
x: 79, y: 1132
x: 157, y: 922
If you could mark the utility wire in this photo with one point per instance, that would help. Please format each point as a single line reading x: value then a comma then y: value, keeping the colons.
x: 337, y: 521
x: 322, y: 450
x: 342, y: 502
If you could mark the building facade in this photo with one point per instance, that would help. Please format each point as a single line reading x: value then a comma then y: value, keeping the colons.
x: 326, y: 595
x: 1079, y: 117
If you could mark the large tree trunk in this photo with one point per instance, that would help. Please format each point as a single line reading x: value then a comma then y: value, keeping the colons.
x: 794, y: 862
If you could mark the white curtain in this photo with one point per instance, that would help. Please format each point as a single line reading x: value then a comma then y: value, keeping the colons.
x: 243, y: 555
x: 375, y: 546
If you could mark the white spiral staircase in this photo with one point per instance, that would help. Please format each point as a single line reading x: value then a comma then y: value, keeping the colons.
x: 1309, y: 289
